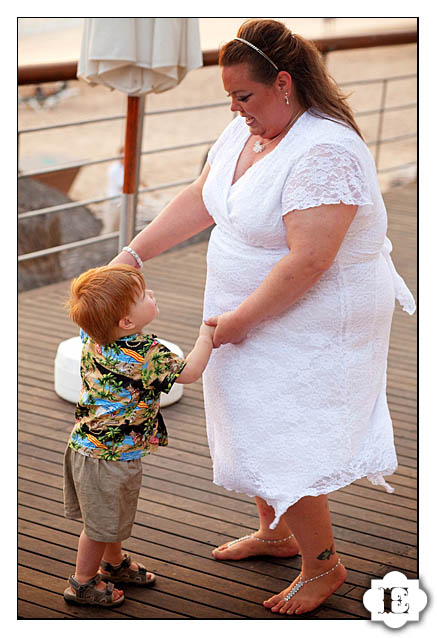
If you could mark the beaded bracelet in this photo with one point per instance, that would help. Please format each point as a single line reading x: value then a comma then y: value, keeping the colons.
x: 135, y: 255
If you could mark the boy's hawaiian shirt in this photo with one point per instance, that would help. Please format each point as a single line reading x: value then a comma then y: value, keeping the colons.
x: 117, y: 416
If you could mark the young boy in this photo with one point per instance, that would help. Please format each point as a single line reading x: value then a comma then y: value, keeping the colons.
x: 117, y: 422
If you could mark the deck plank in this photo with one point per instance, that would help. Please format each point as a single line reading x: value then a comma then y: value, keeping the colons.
x: 182, y: 515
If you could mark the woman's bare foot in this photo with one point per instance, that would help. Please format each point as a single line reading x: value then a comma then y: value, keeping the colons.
x: 251, y: 547
x: 310, y: 596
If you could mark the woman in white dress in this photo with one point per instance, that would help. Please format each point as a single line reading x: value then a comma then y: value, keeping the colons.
x: 301, y: 288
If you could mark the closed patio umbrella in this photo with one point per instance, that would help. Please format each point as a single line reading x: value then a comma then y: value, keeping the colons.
x: 137, y: 56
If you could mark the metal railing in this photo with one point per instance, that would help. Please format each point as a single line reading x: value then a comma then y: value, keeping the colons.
x: 381, y: 111
x: 39, y: 74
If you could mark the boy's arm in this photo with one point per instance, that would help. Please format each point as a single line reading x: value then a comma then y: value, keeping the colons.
x: 198, y: 358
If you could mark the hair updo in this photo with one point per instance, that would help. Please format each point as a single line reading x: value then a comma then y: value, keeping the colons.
x: 314, y: 88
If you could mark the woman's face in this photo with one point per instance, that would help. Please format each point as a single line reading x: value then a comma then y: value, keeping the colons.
x: 262, y: 105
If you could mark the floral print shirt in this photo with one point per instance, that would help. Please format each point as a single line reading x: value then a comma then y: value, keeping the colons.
x: 117, y: 415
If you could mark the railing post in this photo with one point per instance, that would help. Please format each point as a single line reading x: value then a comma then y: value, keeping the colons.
x: 380, y: 122
x: 132, y: 160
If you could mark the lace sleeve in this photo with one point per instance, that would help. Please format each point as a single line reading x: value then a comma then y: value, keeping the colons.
x: 327, y: 174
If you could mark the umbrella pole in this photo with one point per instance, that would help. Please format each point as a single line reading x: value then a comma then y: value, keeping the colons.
x: 132, y: 159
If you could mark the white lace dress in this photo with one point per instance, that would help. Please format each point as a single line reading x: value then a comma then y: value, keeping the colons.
x: 299, y: 408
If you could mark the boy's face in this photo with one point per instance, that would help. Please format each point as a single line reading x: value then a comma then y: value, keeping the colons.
x: 144, y: 310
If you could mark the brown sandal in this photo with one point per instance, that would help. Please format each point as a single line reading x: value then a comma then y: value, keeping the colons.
x: 124, y: 574
x: 88, y: 594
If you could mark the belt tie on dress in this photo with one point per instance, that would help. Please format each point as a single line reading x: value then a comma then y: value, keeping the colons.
x: 402, y: 293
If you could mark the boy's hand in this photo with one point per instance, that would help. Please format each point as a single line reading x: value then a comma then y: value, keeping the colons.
x: 207, y: 331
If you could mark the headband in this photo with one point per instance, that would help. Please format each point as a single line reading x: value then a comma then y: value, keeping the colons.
x: 259, y: 51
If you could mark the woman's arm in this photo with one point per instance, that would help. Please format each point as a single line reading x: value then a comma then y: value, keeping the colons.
x: 183, y: 217
x: 314, y: 237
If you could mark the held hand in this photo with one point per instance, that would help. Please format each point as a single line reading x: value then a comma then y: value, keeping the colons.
x: 228, y: 328
x: 207, y: 331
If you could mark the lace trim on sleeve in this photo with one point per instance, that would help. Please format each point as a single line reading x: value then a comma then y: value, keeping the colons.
x: 327, y: 174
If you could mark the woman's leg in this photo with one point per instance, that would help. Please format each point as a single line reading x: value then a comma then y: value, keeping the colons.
x: 252, y: 547
x: 311, y: 523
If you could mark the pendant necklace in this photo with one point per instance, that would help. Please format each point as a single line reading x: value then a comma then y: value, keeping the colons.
x: 258, y: 147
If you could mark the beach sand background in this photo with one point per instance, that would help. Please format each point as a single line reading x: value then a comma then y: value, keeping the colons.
x: 43, y: 40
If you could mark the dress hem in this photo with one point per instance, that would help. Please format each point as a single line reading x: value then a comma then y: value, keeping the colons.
x: 375, y: 478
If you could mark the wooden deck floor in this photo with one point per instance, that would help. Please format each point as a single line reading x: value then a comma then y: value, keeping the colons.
x: 182, y: 515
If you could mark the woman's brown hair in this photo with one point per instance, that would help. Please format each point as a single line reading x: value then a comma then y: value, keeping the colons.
x: 314, y: 87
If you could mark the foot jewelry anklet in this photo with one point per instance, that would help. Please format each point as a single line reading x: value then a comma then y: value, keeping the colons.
x: 261, y: 540
x: 301, y: 582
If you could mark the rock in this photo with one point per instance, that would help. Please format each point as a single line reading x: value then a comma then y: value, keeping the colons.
x: 54, y: 229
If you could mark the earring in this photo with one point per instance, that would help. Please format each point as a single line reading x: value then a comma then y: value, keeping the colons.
x: 286, y: 99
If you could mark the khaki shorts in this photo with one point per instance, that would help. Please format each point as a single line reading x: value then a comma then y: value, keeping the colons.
x: 104, y: 494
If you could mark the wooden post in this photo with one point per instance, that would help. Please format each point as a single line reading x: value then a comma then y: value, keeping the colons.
x: 132, y: 159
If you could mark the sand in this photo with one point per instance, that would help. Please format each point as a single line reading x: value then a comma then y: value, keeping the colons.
x: 95, y: 141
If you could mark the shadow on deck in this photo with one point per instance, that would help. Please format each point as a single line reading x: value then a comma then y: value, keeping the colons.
x: 181, y: 514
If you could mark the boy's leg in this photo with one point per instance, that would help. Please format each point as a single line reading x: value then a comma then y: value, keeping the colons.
x: 113, y: 555
x: 89, y: 555
x: 129, y: 477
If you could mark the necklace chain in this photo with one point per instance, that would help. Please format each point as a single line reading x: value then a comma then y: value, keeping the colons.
x: 258, y: 147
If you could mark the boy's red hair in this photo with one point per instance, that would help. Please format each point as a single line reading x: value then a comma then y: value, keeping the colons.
x: 100, y: 297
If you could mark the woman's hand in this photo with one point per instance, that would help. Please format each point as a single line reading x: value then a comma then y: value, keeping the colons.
x: 229, y: 328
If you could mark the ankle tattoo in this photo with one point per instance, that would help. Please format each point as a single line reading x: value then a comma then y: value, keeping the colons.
x: 326, y: 554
